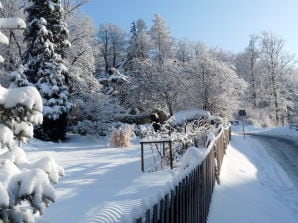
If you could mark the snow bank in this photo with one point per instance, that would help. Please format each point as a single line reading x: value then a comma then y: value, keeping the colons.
x: 279, y: 131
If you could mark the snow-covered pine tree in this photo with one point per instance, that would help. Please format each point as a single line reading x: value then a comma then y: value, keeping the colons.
x: 25, y: 188
x: 132, y: 43
x: 139, y: 42
x: 46, y: 36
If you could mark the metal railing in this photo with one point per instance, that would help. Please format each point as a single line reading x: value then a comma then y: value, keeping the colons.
x: 189, y: 201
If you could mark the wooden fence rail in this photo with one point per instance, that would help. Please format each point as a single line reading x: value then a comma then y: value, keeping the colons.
x: 189, y: 201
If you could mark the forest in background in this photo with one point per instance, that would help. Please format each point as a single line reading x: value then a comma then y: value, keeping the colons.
x: 116, y: 73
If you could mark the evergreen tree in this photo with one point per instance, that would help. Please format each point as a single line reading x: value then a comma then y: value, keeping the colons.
x: 140, y: 42
x: 46, y: 36
x: 25, y: 187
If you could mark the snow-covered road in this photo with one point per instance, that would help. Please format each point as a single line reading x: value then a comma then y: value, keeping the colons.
x: 284, y: 150
x: 254, y: 187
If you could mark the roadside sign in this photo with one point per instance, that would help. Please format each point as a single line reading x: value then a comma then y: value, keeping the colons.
x: 242, y: 113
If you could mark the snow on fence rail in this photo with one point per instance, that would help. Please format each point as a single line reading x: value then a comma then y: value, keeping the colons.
x: 189, y: 200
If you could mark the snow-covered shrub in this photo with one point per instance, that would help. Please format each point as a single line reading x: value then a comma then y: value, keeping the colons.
x: 185, y: 131
x: 94, y: 114
x: 121, y: 137
x: 113, y: 82
x: 86, y: 127
x: 195, y: 136
x: 143, y: 130
x: 186, y: 116
x: 183, y: 135
x: 25, y: 188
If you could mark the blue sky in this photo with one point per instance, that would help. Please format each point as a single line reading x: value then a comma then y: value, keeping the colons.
x: 223, y: 23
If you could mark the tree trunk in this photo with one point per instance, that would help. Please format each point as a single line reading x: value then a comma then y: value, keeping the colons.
x: 254, y: 93
x: 274, y: 91
x: 105, y: 56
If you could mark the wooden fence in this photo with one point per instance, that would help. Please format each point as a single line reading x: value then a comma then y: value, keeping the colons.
x: 189, y: 201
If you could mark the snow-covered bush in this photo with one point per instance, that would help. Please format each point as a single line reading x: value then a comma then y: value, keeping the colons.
x: 25, y: 188
x: 185, y: 131
x: 142, y: 130
x: 94, y: 114
x: 183, y: 135
x: 113, y: 82
x: 195, y: 135
x: 121, y: 137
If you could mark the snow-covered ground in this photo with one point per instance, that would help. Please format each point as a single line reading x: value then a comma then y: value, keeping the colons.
x: 105, y: 184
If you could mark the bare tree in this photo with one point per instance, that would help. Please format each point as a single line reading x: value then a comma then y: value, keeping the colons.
x: 277, y: 65
x: 150, y: 88
x: 112, y: 40
x: 247, y: 65
x: 82, y: 54
x: 13, y: 51
x: 253, y: 54
x: 70, y: 6
x: 184, y: 50
x: 215, y: 86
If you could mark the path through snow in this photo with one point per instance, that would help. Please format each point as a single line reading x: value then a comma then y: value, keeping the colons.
x: 254, y: 188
